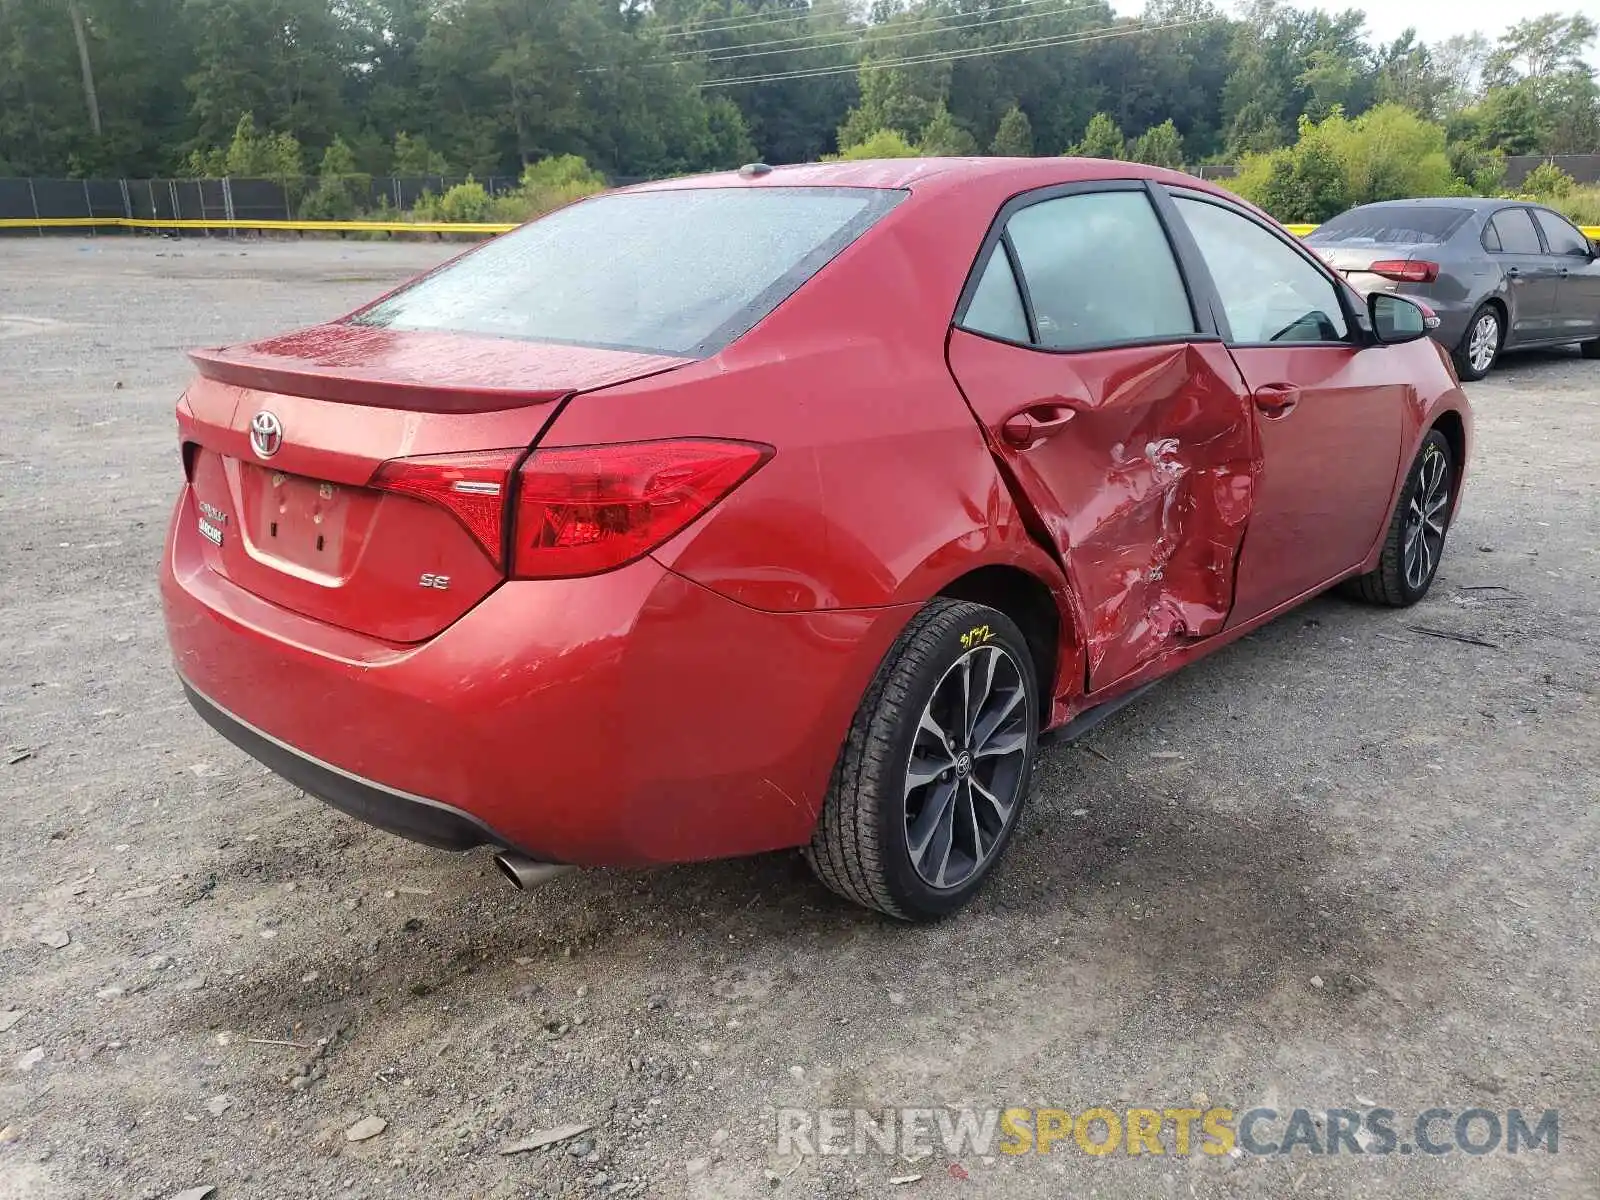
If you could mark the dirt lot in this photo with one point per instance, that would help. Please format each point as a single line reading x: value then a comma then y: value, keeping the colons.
x: 1342, y: 863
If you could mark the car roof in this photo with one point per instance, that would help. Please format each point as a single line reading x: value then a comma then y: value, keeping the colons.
x: 923, y: 173
x: 1465, y: 203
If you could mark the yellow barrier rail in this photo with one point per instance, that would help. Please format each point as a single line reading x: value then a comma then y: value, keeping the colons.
x: 260, y: 226
x: 480, y: 227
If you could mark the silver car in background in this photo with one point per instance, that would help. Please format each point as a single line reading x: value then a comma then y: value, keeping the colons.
x: 1501, y: 275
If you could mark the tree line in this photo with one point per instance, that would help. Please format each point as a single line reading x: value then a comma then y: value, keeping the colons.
x: 139, y: 88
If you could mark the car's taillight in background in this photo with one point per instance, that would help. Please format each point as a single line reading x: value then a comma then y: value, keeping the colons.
x: 471, y: 486
x: 581, y: 510
x: 1406, y: 270
x: 577, y: 510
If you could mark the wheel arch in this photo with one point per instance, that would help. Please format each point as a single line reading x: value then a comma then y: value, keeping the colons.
x: 1501, y: 303
x: 1454, y: 426
x: 1450, y: 424
x: 1029, y: 601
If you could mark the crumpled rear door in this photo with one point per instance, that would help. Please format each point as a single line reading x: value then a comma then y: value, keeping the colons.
x: 1144, y: 481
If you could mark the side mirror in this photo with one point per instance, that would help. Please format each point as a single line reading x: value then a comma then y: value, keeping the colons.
x: 1396, y: 319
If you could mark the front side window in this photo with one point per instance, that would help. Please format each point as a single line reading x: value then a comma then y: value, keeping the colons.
x: 1561, y: 237
x: 1516, y: 232
x: 1269, y: 293
x: 1099, y: 271
x: 683, y: 271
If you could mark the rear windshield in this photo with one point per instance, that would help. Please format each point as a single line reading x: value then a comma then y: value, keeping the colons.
x: 671, y: 272
x: 1398, y: 224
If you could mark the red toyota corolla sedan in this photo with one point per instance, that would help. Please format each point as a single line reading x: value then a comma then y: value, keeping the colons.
x: 788, y: 508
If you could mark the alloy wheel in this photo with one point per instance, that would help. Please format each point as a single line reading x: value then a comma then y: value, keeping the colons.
x: 1484, y: 342
x: 1426, y: 517
x: 965, y: 776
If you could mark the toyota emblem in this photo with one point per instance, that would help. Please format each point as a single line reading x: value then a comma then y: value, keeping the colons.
x: 266, y: 434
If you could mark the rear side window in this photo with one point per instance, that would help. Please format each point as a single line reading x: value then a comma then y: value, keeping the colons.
x: 1391, y: 224
x: 996, y: 304
x: 1561, y: 237
x: 1099, y: 271
x: 670, y: 272
x: 1514, y: 228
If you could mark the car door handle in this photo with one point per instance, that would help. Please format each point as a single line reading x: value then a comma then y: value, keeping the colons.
x: 1032, y: 425
x: 1276, y: 399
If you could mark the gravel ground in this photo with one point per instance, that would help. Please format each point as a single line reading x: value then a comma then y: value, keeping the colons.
x: 1341, y: 863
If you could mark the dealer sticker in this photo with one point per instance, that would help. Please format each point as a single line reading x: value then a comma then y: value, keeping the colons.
x: 210, y: 532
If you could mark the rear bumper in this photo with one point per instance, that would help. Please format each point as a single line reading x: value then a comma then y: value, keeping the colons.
x: 1453, y: 316
x: 414, y: 817
x: 625, y: 719
x: 1453, y: 322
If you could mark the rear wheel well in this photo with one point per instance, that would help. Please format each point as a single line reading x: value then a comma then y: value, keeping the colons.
x: 1455, y: 432
x: 1026, y: 600
x: 1499, y: 306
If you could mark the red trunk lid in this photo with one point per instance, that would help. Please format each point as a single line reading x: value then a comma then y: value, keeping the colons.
x: 301, y: 526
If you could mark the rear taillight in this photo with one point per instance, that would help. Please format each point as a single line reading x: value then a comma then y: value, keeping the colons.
x: 472, y: 487
x: 576, y: 510
x: 1430, y: 319
x: 581, y: 510
x: 1406, y: 270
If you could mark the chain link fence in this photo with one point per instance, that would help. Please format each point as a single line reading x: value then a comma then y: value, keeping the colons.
x: 214, y: 199
x: 282, y: 199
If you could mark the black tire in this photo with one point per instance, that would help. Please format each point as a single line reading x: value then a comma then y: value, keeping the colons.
x: 862, y: 845
x: 1395, y: 582
x: 1590, y: 349
x: 1462, y: 354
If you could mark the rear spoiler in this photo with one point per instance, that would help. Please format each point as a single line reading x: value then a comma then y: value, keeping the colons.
x: 421, y: 371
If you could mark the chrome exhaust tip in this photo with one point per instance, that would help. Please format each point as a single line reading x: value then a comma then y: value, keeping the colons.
x: 525, y: 873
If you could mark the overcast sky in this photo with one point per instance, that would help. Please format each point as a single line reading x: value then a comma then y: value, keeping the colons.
x: 1434, y: 20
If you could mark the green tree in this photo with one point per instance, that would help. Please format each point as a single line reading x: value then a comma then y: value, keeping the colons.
x: 1330, y: 81
x: 1101, y: 139
x: 413, y: 156
x: 250, y: 154
x: 943, y: 138
x: 1509, y: 120
x: 1484, y: 171
x: 341, y: 189
x: 885, y: 143
x: 651, y: 87
x: 1571, y: 114
x: 1407, y: 76
x: 1159, y: 146
x: 1014, y: 137
x: 1255, y: 130
x: 1548, y: 182
x: 1540, y: 48
x: 894, y: 98
x: 1387, y: 153
x: 727, y: 141
x: 1542, y: 92
x: 281, y: 60
x: 546, y: 185
x: 1459, y: 60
